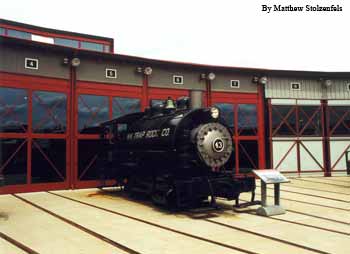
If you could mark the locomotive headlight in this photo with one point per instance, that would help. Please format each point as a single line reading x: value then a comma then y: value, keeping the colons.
x: 214, y: 112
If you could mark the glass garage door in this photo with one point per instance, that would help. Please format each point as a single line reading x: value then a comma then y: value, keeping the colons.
x: 14, y: 135
x: 338, y: 113
x: 92, y: 109
x: 241, y: 113
x: 33, y: 139
x: 296, y: 135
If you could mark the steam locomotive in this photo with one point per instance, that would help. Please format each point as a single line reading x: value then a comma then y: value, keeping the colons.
x: 175, y: 153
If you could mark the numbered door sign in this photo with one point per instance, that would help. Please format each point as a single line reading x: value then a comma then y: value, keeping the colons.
x: 178, y: 80
x: 111, y: 73
x: 31, y: 63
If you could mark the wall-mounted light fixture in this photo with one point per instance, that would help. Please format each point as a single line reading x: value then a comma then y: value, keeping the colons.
x: 208, y: 76
x: 262, y: 80
x: 75, y: 62
x: 211, y: 76
x: 255, y: 79
x: 327, y: 83
x: 145, y: 70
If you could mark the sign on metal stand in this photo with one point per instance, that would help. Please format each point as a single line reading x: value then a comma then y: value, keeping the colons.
x: 270, y: 176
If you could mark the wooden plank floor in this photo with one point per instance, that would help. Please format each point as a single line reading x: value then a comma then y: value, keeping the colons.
x: 94, y: 221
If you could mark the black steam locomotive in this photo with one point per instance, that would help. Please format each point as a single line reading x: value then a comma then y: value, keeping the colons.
x: 174, y: 153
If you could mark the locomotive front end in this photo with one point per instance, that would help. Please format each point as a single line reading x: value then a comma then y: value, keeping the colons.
x: 213, y: 143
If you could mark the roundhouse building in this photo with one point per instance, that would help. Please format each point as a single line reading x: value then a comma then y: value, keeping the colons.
x: 55, y: 85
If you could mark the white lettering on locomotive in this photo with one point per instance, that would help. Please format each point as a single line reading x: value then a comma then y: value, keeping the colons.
x: 152, y: 134
x: 148, y: 134
x: 165, y: 132
x: 139, y: 134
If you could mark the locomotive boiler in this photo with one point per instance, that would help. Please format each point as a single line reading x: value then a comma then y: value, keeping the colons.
x: 174, y: 152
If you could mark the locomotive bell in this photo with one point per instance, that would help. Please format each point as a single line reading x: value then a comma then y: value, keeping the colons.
x: 214, y: 144
x: 169, y: 103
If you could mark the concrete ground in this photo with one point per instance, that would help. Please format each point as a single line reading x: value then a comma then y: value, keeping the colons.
x: 95, y: 221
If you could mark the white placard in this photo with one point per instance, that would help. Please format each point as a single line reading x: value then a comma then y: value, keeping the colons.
x: 270, y: 176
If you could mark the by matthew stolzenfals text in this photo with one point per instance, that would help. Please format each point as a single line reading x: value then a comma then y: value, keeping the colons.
x: 305, y: 8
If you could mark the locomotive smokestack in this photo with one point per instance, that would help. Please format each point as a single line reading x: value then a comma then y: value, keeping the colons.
x: 196, y: 99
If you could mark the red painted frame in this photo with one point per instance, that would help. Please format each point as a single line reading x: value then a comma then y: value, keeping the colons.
x: 73, y: 89
x: 245, y: 98
x: 35, y: 83
x: 164, y: 93
x: 330, y: 133
x: 99, y: 89
x: 298, y: 135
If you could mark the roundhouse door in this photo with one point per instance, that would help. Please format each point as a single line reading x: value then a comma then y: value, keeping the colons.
x: 296, y: 135
x: 49, y: 144
x: 241, y: 113
x: 94, y: 106
x: 33, y: 133
x: 338, y: 113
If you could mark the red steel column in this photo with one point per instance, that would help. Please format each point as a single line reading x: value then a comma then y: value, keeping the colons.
x: 72, y: 120
x: 326, y: 138
x: 30, y: 136
x: 144, y: 100
x: 298, y: 137
x: 270, y: 134
x: 208, y: 92
x: 261, y: 126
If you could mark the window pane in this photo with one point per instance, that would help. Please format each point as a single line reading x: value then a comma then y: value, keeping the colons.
x: 15, y: 171
x: 91, y: 46
x: 226, y: 111
x: 310, y: 120
x: 48, y: 160
x: 157, y: 102
x: 337, y: 125
x: 19, y: 34
x: 122, y: 106
x: 248, y: 155
x: 13, y: 110
x: 92, y: 110
x: 247, y: 119
x: 283, y: 125
x: 106, y: 48
x: 88, y: 162
x: 2, y: 31
x: 49, y: 112
x: 66, y: 42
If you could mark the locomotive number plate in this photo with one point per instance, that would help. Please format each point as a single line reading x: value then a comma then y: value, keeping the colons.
x: 218, y: 145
